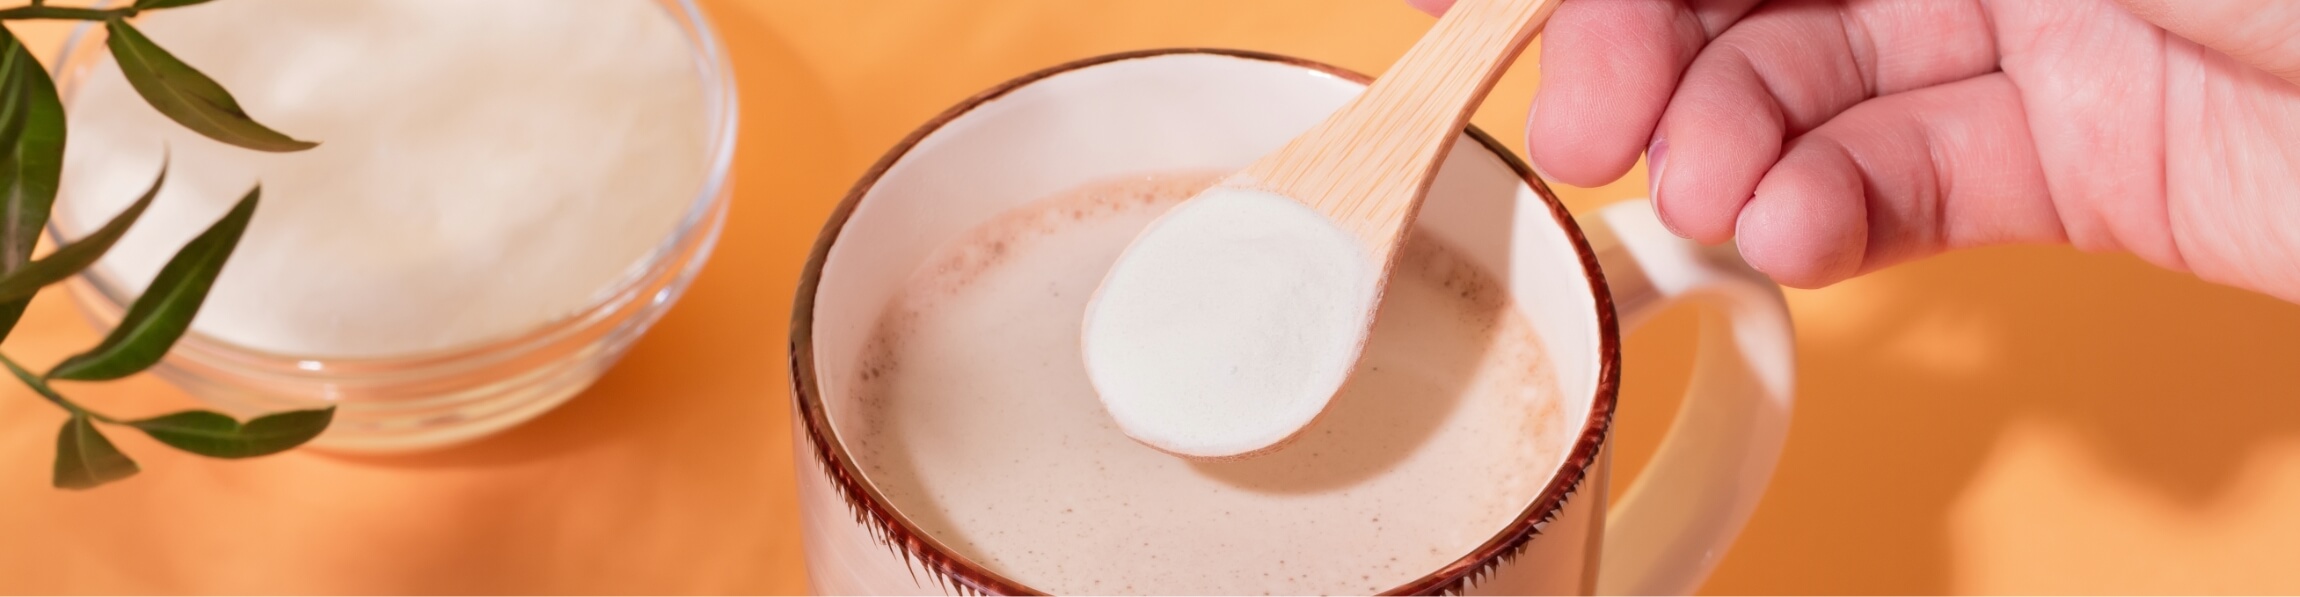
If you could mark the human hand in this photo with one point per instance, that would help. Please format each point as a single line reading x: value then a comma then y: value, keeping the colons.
x: 1837, y: 137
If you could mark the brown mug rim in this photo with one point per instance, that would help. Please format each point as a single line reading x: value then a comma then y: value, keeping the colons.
x: 955, y: 572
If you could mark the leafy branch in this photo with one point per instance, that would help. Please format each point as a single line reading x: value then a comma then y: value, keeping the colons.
x: 31, y: 164
x: 39, y: 9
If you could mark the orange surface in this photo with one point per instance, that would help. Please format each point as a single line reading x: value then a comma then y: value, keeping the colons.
x: 2028, y: 420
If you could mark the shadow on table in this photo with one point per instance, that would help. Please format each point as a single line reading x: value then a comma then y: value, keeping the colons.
x: 1910, y: 380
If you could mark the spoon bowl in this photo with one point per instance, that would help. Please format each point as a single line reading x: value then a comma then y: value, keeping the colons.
x: 1229, y: 324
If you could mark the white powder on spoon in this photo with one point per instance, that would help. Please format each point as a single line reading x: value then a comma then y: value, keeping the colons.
x: 484, y: 168
x: 1227, y: 326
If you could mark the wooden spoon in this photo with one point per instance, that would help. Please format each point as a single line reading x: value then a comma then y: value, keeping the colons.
x: 1368, y: 166
x: 1232, y: 321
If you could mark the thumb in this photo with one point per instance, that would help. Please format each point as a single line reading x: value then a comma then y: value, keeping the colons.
x: 2261, y: 33
x: 1434, y: 7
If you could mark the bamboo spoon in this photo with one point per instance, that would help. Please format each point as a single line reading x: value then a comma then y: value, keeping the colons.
x: 1231, y: 322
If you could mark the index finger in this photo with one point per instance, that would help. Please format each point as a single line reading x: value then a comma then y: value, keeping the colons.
x: 1608, y: 69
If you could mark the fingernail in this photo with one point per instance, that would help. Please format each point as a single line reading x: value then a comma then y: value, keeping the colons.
x: 1741, y: 225
x: 1656, y: 161
x: 1529, y: 157
x: 1538, y: 173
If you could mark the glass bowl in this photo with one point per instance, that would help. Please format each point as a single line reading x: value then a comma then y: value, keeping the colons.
x: 416, y: 401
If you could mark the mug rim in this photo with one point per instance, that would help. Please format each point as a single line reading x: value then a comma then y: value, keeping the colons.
x: 956, y: 572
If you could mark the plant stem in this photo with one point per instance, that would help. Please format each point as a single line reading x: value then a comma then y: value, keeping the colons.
x: 50, y: 393
x: 40, y: 11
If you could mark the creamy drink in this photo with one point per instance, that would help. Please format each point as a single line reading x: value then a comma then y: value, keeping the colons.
x: 972, y: 414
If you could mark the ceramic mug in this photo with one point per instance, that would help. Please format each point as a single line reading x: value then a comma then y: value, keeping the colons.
x: 1181, y: 110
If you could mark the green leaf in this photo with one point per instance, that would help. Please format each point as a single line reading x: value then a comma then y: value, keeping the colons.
x: 28, y: 280
x: 10, y: 313
x: 29, y: 165
x: 191, y: 98
x: 33, y: 164
x: 214, y: 434
x: 152, y: 4
x: 85, y: 459
x: 166, y: 309
x: 12, y: 94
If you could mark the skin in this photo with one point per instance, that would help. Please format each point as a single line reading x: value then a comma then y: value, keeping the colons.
x: 1837, y: 137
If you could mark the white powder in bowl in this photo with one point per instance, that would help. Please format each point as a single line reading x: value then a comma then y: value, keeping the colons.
x: 1227, y: 326
x: 485, y: 167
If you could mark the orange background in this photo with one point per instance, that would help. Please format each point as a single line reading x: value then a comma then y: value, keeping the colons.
x: 2026, y: 420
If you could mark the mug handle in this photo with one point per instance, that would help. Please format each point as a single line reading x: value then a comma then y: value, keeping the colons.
x: 1665, y: 534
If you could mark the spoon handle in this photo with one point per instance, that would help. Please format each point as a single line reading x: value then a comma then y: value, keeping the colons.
x: 1366, y: 166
